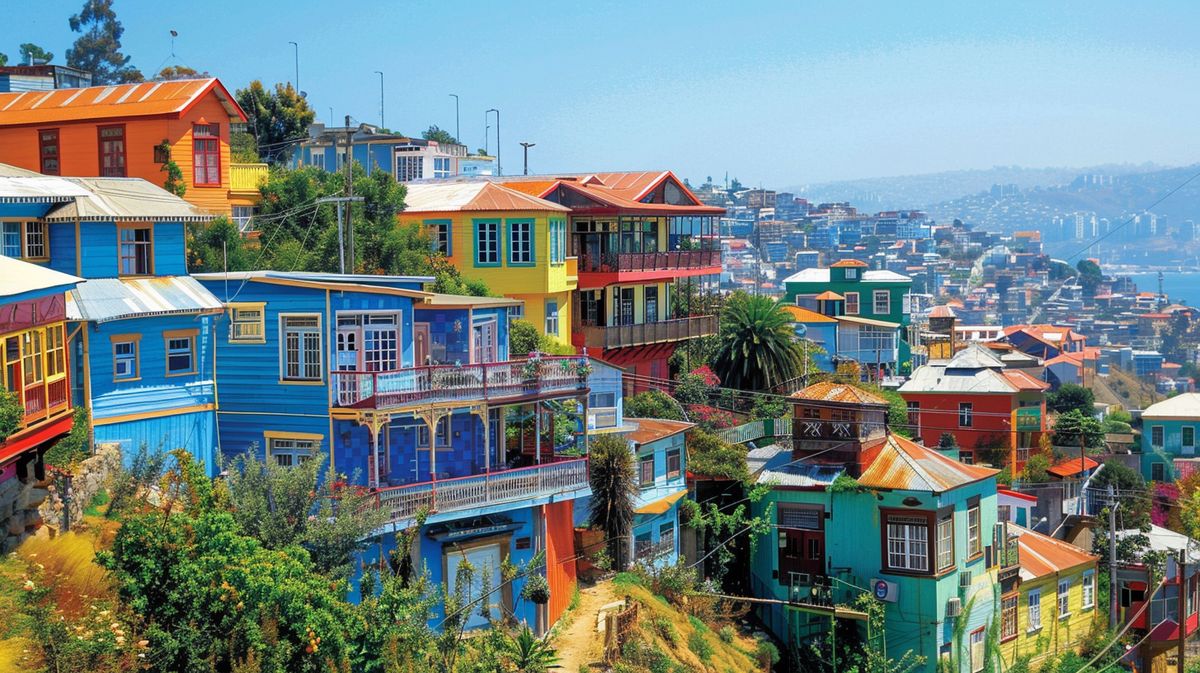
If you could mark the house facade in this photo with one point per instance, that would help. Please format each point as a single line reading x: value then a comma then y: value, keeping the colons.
x: 514, y: 242
x: 133, y: 130
x: 646, y: 248
x: 33, y: 359
x: 936, y: 560
x: 870, y: 305
x: 1044, y: 341
x: 407, y: 159
x: 661, y: 460
x: 1169, y: 432
x: 983, y: 404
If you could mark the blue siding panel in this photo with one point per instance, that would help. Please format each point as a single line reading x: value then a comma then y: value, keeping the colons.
x: 62, y: 247
x: 99, y: 241
x: 170, y: 253
x: 193, y: 432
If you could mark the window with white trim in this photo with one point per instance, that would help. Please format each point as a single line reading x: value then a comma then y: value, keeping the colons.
x: 1064, y: 598
x: 851, y: 303
x: 907, y: 543
x: 974, y: 539
x: 136, y: 250
x: 516, y: 312
x: 1089, y: 590
x: 24, y: 240
x: 125, y: 359
x: 965, y: 414
x: 978, y: 638
x: 945, y: 532
x: 1034, y: 609
x: 441, y: 167
x: 552, y: 318
x: 882, y: 302
x: 520, y: 243
x: 289, y: 452
x: 301, y: 345
x: 409, y: 168
x: 181, y: 353
x: 247, y: 324
x: 1008, y: 617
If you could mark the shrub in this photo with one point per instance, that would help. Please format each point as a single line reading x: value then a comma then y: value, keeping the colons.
x: 653, y: 404
x: 665, y: 630
x: 700, y: 646
x: 767, y: 650
x: 712, y: 456
x: 74, y: 447
x: 726, y: 634
x: 711, y: 418
x: 11, y: 413
x: 536, y: 589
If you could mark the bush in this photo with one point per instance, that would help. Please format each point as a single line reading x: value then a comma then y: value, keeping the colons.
x: 767, y: 650
x: 700, y: 646
x: 11, y: 413
x: 665, y: 630
x: 653, y: 404
x: 726, y: 634
x: 712, y: 456
x: 711, y: 418
x: 74, y: 447
x: 536, y: 589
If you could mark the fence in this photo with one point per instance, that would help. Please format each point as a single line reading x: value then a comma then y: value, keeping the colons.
x: 757, y: 430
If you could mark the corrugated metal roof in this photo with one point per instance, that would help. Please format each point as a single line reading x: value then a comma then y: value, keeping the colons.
x: 1042, y: 555
x: 115, y: 199
x: 17, y: 277
x: 940, y: 379
x: 1072, y: 466
x: 34, y: 188
x: 623, y: 190
x: 1186, y: 405
x: 119, y: 101
x: 828, y: 391
x: 472, y: 196
x: 104, y: 299
x: 800, y: 475
x: 902, y: 464
x: 652, y: 429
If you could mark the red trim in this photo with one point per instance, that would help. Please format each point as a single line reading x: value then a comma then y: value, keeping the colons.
x: 215, y: 139
x: 590, y: 280
x: 42, y: 145
x: 35, y: 436
x: 124, y: 150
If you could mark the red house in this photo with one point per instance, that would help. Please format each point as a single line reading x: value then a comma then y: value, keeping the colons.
x: 983, y: 405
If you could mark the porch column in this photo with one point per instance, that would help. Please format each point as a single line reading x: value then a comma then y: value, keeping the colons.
x: 537, y: 431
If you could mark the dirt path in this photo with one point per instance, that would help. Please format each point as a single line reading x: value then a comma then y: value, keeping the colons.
x: 579, y: 644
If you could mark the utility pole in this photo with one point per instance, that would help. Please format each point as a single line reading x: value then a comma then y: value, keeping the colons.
x: 296, y: 46
x: 1112, y: 560
x: 526, y: 147
x: 381, y: 122
x: 457, y: 129
x: 340, y: 226
x: 499, y: 171
x: 349, y: 188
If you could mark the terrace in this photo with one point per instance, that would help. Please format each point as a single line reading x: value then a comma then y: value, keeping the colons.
x: 641, y: 334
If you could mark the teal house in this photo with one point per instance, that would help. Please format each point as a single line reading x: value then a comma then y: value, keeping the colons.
x: 871, y: 308
x: 1169, y: 431
x: 859, y: 510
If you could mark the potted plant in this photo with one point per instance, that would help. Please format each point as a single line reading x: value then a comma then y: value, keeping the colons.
x: 531, y: 370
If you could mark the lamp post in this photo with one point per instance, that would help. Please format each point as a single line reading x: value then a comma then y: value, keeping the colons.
x: 525, y: 147
x: 499, y: 171
x: 296, y: 47
x: 381, y: 124
x: 487, y: 129
x: 457, y: 129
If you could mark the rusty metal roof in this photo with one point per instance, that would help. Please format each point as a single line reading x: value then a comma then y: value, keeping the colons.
x: 902, y: 464
x: 828, y: 391
x: 1070, y: 467
x: 1042, y: 555
x: 455, y: 196
x: 653, y: 429
x: 118, y: 101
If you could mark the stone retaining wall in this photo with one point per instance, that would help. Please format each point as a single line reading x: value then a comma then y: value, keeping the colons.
x: 89, y: 478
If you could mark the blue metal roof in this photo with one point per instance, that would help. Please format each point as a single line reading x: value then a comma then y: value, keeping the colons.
x: 104, y: 299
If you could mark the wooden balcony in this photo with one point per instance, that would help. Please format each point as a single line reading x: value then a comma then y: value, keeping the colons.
x: 642, y: 334
x: 245, y: 179
x: 44, y: 399
x: 506, y: 486
x: 633, y: 262
x: 450, y: 385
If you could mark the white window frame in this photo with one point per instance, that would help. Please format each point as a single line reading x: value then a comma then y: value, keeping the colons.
x: 245, y: 329
x: 852, y: 274
x: 32, y: 239
x: 516, y: 312
x: 552, y: 317
x: 1064, y: 599
x: 945, y: 543
x: 131, y: 358
x: 441, y: 167
x: 978, y: 645
x: 887, y: 302
x: 297, y: 450
x: 1089, y: 590
x: 175, y: 350
x: 906, y: 546
x: 1005, y: 623
x: 1033, y: 609
x: 966, y: 412
x: 974, y: 532
x: 303, y: 363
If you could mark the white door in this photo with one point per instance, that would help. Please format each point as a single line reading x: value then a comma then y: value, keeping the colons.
x: 484, y: 338
x: 486, y: 561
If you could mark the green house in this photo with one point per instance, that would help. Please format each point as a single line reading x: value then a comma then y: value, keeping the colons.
x: 858, y: 510
x: 871, y: 307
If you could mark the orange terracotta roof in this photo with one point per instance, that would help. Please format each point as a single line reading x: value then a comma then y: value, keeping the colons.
x: 830, y: 295
x: 902, y: 464
x: 942, y: 311
x: 622, y: 190
x: 828, y: 391
x: 652, y: 429
x: 120, y: 101
x: 848, y: 263
x: 1071, y: 466
x: 475, y: 196
x: 800, y: 314
x: 1042, y: 555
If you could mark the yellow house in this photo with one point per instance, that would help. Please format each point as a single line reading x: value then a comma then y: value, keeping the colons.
x: 513, y: 242
x: 1054, y: 606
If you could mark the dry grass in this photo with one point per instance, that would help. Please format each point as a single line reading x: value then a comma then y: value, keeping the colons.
x: 736, y: 656
x: 67, y: 562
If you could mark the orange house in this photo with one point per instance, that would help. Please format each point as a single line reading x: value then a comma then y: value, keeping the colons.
x: 132, y: 130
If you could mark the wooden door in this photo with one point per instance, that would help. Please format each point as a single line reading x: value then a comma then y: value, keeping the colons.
x: 421, y: 352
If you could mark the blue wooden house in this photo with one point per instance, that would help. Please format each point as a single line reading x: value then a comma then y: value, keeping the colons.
x: 413, y: 395
x: 658, y: 445
x: 140, y: 330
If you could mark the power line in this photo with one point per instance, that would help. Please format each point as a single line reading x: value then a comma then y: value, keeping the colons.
x: 1134, y: 217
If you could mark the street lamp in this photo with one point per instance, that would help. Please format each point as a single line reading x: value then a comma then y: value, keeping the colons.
x: 487, y: 129
x: 499, y: 171
x: 526, y: 147
x: 457, y: 130
x: 296, y: 46
x: 381, y: 124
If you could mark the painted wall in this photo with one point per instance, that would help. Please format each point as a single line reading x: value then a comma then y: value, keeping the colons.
x: 100, y: 243
x: 1058, y: 632
x: 1172, y: 446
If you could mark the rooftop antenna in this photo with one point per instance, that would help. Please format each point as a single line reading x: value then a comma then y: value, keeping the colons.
x: 174, y: 34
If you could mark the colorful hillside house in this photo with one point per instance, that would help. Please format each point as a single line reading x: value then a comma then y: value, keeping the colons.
x: 1044, y: 341
x: 35, y: 380
x: 413, y: 395
x: 644, y: 244
x: 661, y: 458
x: 934, y: 563
x: 134, y: 130
x: 1169, y: 431
x: 140, y: 334
x: 985, y: 405
x: 871, y: 307
x: 1173, y: 614
x: 1051, y: 609
x: 513, y: 242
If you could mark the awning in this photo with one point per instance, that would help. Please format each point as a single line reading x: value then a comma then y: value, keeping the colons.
x: 661, y: 505
x: 867, y: 321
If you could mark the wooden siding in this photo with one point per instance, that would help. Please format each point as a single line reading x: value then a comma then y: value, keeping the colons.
x: 1057, y: 633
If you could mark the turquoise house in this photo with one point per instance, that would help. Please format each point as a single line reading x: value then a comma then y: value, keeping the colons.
x: 661, y: 463
x: 140, y: 331
x: 1169, y: 431
x: 861, y: 510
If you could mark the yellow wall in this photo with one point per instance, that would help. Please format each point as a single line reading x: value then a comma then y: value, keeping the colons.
x: 639, y: 301
x: 534, y: 284
x: 1057, y: 634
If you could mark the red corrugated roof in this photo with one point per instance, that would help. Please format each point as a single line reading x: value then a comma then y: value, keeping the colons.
x: 621, y: 191
x: 1024, y: 381
x: 1042, y: 555
x: 119, y: 101
x: 651, y: 429
x: 902, y: 464
x: 828, y: 391
x: 1071, y: 467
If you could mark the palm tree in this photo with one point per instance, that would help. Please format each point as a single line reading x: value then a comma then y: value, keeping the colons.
x: 614, y: 488
x: 759, y: 349
x: 526, y: 653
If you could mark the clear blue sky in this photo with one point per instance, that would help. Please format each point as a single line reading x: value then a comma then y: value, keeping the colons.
x: 778, y: 93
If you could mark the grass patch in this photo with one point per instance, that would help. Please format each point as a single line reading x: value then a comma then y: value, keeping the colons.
x: 627, y: 579
x: 94, y: 507
x: 697, y: 624
x: 700, y: 646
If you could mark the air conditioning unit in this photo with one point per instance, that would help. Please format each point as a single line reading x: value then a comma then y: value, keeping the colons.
x: 964, y: 579
x: 953, y: 607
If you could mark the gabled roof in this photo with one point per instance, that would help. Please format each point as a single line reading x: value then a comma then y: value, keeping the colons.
x: 974, y: 356
x: 1041, y: 555
x: 849, y: 263
x: 801, y: 314
x: 18, y: 277
x: 472, y: 196
x: 1023, y: 381
x: 1069, y: 467
x: 18, y: 186
x: 654, y: 429
x: 901, y: 464
x: 1184, y: 406
x: 821, y: 275
x: 104, y: 299
x: 124, y: 199
x: 828, y: 391
x: 942, y: 311
x: 621, y: 190
x: 829, y: 295
x: 119, y: 101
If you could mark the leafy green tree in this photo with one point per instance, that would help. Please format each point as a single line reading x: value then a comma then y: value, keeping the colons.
x: 692, y: 388
x: 31, y: 54
x: 1090, y: 276
x: 768, y: 406
x: 178, y: 72
x: 74, y: 447
x: 758, y: 348
x: 1036, y: 469
x: 1118, y: 422
x: 3, y: 59
x: 712, y: 456
x: 1071, y: 426
x: 614, y: 488
x: 1133, y: 512
x: 277, y: 119
x: 283, y: 506
x: 98, y: 48
x: 12, y: 412
x: 653, y: 404
x: 439, y: 135
x: 1071, y: 396
x: 210, y: 243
